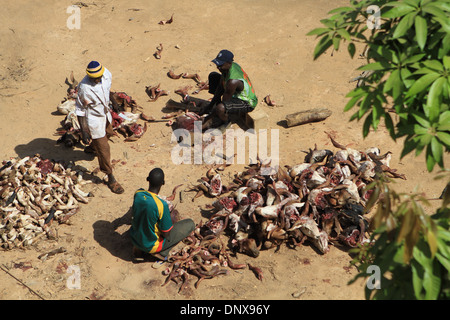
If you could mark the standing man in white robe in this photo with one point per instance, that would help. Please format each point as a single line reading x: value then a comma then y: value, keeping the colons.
x: 94, y: 116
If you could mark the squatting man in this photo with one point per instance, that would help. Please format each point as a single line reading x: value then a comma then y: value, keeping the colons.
x: 153, y: 230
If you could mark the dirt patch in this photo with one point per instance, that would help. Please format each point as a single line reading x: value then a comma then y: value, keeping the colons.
x: 268, y: 39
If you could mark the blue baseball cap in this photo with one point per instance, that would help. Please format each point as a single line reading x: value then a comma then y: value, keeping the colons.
x: 222, y: 57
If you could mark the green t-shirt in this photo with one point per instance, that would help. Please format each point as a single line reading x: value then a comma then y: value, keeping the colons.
x: 248, y: 93
x: 151, y: 216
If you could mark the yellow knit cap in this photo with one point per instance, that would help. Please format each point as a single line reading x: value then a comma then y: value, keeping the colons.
x: 95, y: 69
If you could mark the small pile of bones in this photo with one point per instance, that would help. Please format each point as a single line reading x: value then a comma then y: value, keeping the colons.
x: 33, y: 193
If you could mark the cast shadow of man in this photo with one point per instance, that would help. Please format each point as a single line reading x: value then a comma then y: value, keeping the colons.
x: 115, y: 236
x: 51, y: 149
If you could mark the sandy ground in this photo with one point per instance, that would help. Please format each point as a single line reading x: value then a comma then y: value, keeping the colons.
x: 268, y: 38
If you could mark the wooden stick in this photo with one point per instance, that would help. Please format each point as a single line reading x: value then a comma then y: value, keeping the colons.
x: 307, y: 116
x: 21, y: 282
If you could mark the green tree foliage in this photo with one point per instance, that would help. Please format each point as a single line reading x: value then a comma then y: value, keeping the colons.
x: 408, y: 73
x: 409, y: 63
x: 411, y: 248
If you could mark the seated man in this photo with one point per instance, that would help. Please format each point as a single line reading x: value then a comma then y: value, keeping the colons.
x: 152, y: 230
x: 232, y: 89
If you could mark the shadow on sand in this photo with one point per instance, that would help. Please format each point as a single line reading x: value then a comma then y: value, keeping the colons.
x: 108, y: 235
x: 50, y: 149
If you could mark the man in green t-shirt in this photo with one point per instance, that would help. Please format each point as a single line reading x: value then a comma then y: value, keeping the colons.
x: 152, y: 230
x: 232, y: 89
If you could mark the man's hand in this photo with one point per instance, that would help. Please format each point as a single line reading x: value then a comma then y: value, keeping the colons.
x: 85, y: 134
x: 86, y: 137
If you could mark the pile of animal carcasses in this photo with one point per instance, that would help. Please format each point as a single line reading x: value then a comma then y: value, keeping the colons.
x: 205, y: 256
x: 33, y: 193
x: 321, y: 200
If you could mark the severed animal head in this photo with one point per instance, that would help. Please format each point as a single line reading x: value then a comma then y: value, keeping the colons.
x: 248, y: 246
x: 215, y: 185
x: 314, y: 156
x: 321, y: 242
x: 309, y: 227
x: 226, y: 203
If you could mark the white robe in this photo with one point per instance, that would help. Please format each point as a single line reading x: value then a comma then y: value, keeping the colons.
x: 93, y: 103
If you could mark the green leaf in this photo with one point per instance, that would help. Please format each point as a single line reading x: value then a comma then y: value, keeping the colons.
x: 445, y: 261
x: 394, y: 77
x: 434, y: 11
x: 382, y: 53
x: 329, y: 23
x: 322, y: 46
x: 336, y: 42
x: 432, y: 107
x: 433, y: 64
x: 365, y: 105
x: 446, y: 61
x: 414, y: 58
x: 351, y: 103
x: 443, y: 234
x: 421, y: 84
x: 418, y: 129
x: 354, y: 116
x: 398, y: 11
x: 417, y: 279
x: 344, y: 34
x: 340, y: 10
x: 441, y: 5
x: 444, y: 137
x: 407, y: 223
x: 436, y: 150
x: 351, y: 49
x: 421, y: 31
x: 432, y: 281
x: 421, y: 119
x: 424, y: 71
x: 318, y: 31
x: 443, y: 246
x: 397, y: 87
x: 376, y: 66
x: 404, y: 25
x: 432, y: 242
x: 425, y: 140
x: 444, y: 121
x: 431, y: 275
x: 405, y: 77
x: 412, y: 3
x: 420, y: 254
x: 444, y: 23
x: 357, y: 92
x: 445, y: 48
x: 389, y: 125
x: 429, y: 159
x: 377, y: 112
x: 367, y: 124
